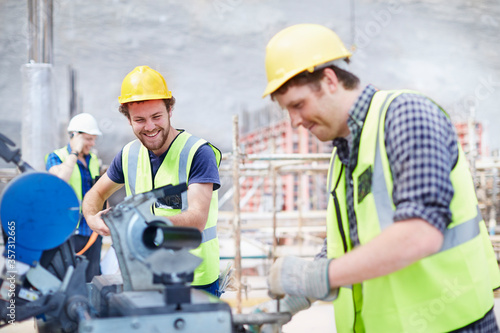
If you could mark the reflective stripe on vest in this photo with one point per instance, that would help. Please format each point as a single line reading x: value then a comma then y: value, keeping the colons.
x: 133, y: 154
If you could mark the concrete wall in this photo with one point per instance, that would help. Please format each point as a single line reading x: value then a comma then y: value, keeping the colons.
x: 212, y: 55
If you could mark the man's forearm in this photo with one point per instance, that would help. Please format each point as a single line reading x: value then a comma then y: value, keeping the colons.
x: 199, y: 197
x: 188, y: 219
x: 397, y: 247
x: 65, y: 169
x: 92, y: 204
x: 91, y: 209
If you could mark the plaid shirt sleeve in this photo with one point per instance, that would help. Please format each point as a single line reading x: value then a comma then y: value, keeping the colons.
x: 52, y: 160
x: 422, y: 150
x: 322, y: 254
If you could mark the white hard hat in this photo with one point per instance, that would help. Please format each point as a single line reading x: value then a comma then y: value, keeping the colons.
x: 84, y: 122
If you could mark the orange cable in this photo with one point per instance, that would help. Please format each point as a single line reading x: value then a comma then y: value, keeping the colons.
x: 91, y: 241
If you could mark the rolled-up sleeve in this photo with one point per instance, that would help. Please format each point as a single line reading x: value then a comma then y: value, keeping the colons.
x: 422, y: 150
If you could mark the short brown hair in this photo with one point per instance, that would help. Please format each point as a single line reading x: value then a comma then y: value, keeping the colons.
x: 348, y: 80
x: 169, y: 104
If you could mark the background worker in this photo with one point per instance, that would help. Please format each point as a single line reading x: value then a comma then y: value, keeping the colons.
x: 163, y: 155
x: 407, y: 248
x: 77, y: 165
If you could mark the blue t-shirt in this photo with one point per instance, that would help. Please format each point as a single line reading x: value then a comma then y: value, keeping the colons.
x: 203, y: 168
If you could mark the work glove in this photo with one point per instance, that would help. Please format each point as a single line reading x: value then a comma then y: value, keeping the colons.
x: 292, y: 304
x: 300, y: 277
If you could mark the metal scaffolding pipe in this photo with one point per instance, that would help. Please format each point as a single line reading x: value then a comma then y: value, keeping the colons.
x: 493, y: 212
x: 236, y: 207
x: 290, y: 157
x: 40, y: 31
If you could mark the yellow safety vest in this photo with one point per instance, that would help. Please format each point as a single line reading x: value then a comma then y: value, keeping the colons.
x: 75, y: 181
x: 174, y: 170
x: 440, y: 293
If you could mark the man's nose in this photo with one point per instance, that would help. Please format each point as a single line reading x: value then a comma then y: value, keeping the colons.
x: 295, y: 119
x: 150, y: 125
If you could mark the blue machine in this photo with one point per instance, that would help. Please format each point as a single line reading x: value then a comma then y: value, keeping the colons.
x: 39, y: 211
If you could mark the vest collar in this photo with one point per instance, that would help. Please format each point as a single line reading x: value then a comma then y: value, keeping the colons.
x: 357, y: 116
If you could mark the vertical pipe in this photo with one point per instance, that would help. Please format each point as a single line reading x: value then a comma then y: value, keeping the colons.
x: 300, y: 206
x: 236, y: 207
x: 32, y: 31
x: 39, y: 123
x: 493, y: 211
x: 472, y: 142
x: 73, y: 96
x: 274, y: 193
x: 46, y: 10
x: 39, y: 130
x: 40, y: 48
x: 275, y: 220
x: 302, y: 187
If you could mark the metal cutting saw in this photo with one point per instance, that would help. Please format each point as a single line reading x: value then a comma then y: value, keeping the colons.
x: 43, y: 278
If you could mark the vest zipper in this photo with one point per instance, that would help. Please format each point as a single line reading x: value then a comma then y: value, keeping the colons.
x: 337, y: 211
x: 342, y: 235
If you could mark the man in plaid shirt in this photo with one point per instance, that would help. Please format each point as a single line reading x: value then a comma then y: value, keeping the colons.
x: 407, y: 249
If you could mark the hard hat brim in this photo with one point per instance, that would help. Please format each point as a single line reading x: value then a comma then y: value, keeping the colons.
x: 139, y: 98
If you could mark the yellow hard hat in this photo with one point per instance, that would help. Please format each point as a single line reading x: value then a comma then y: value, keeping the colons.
x: 142, y: 84
x: 298, y: 48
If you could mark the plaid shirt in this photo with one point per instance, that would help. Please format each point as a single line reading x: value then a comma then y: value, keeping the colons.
x: 53, y: 159
x: 422, y: 150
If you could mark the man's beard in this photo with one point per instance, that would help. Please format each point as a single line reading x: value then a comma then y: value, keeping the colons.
x: 158, y: 143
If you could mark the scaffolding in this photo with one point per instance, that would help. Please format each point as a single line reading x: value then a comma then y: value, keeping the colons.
x: 295, y: 228
x: 304, y: 224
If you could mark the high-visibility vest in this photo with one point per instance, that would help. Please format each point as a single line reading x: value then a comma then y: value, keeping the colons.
x: 440, y: 293
x: 75, y: 181
x: 174, y: 170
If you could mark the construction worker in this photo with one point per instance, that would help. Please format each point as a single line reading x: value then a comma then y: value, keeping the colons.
x: 77, y: 165
x: 407, y: 248
x: 163, y: 155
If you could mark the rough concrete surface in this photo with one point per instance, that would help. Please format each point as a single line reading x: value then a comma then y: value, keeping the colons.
x: 212, y: 55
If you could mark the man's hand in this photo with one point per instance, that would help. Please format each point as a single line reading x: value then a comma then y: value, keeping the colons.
x: 292, y: 304
x: 300, y: 277
x: 97, y: 224
x: 77, y: 142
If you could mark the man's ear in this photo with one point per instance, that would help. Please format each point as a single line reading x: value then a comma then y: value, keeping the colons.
x: 331, y: 80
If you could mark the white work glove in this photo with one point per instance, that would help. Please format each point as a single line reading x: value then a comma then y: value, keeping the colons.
x: 292, y: 304
x: 300, y: 277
